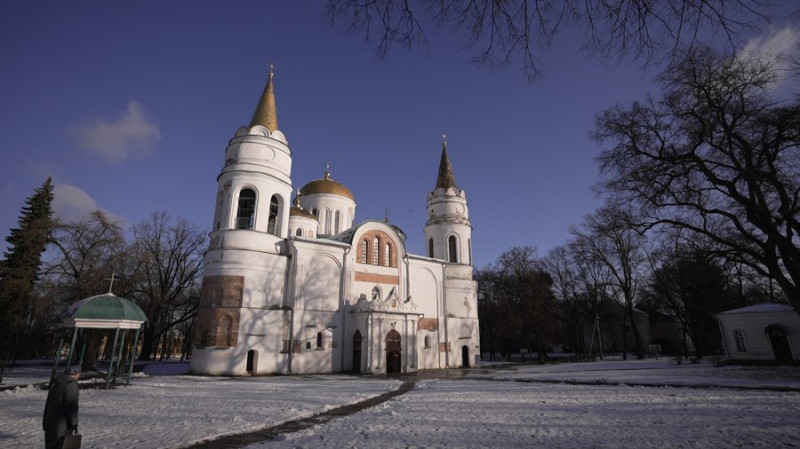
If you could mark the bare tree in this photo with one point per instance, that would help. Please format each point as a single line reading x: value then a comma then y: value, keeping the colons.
x: 691, y: 287
x: 609, y: 236
x: 85, y: 254
x: 580, y: 284
x: 716, y: 156
x: 168, y: 255
x: 503, y: 30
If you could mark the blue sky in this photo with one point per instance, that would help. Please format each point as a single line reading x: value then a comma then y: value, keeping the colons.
x: 129, y: 107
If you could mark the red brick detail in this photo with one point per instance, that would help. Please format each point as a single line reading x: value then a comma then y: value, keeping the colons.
x: 383, y: 239
x: 428, y: 324
x: 218, y: 314
x: 377, y: 278
x: 222, y: 291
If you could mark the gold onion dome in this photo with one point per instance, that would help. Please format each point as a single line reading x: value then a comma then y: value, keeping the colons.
x: 297, y: 211
x: 326, y: 185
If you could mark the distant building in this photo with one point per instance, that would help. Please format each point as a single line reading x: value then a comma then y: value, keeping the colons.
x: 761, y: 333
x: 300, y: 287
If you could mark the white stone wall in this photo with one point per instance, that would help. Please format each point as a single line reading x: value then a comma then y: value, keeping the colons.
x: 757, y: 341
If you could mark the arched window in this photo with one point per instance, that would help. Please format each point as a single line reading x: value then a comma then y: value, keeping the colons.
x: 272, y: 222
x: 387, y: 255
x: 245, y: 212
x: 452, y: 250
x: 741, y: 344
x: 299, y: 232
x: 430, y: 247
x: 427, y: 341
x: 336, y: 223
x: 364, y: 249
x: 328, y: 221
x: 376, y: 292
x: 376, y: 246
x: 320, y: 341
x: 315, y: 213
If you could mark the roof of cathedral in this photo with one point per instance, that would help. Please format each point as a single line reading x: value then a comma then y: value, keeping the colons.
x: 347, y: 235
x: 266, y: 114
x: 445, y: 179
x: 297, y: 211
x: 326, y: 185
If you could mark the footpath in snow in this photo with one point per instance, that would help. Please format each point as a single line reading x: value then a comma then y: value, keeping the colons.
x: 571, y: 405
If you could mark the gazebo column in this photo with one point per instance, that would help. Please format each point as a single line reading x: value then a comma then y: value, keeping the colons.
x: 83, y: 349
x: 119, y: 354
x: 133, y: 355
x: 111, y: 362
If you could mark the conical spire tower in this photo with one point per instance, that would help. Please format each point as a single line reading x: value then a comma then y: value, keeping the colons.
x: 266, y: 113
x: 445, y: 179
x: 448, y: 231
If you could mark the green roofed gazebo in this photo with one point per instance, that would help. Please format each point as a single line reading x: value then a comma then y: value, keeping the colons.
x: 106, y: 311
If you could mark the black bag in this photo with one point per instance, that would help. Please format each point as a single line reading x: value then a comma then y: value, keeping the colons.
x: 72, y: 440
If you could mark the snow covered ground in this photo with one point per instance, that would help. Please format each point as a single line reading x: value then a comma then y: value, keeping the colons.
x: 548, y: 406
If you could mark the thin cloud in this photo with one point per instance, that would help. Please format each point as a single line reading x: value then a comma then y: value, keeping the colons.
x: 131, y: 136
x: 781, y: 48
x: 71, y: 203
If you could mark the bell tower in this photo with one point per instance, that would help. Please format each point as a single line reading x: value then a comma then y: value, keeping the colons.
x: 254, y: 188
x: 448, y: 232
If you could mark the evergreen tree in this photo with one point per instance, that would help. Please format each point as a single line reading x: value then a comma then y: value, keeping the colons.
x: 20, y: 268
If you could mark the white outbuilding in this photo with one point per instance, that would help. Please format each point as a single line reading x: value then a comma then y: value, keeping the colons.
x: 761, y: 333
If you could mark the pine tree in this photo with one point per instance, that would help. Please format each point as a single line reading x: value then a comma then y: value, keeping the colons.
x: 20, y: 268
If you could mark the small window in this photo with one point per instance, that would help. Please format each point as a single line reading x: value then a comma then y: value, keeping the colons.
x: 452, y: 249
x: 430, y: 247
x: 741, y: 344
x: 328, y: 221
x: 427, y: 341
x: 320, y: 340
x: 272, y: 222
x: 376, y: 245
x: 245, y: 213
x: 299, y: 232
x: 387, y: 255
x: 336, y: 222
x: 364, y: 249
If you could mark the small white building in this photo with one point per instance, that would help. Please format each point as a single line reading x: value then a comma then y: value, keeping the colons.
x: 761, y: 332
x: 301, y: 287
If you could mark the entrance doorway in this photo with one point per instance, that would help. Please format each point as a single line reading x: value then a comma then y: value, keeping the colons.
x: 464, y: 356
x: 357, y: 352
x: 393, y: 347
x: 780, y: 343
x: 252, y: 362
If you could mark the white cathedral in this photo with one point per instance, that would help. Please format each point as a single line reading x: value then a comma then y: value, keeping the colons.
x: 302, y: 288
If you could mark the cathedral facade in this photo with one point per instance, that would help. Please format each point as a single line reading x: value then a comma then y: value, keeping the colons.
x: 301, y: 287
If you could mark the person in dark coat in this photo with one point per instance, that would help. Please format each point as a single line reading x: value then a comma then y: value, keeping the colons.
x: 61, y: 408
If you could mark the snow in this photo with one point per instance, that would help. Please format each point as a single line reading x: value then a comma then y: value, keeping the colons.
x: 600, y: 404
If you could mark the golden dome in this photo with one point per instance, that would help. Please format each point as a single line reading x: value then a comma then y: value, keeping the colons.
x: 299, y: 212
x: 326, y: 185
